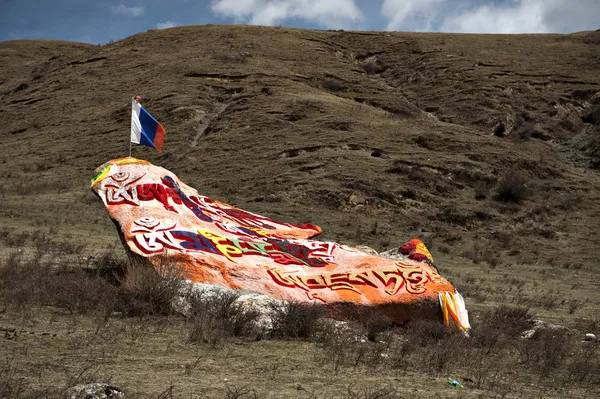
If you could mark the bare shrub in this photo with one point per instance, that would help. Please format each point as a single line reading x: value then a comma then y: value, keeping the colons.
x: 345, y: 344
x: 512, y: 187
x: 296, y: 320
x: 11, y: 385
x: 547, y: 301
x: 29, y: 281
x: 301, y: 109
x: 72, y: 289
x: 526, y: 131
x: 592, y: 116
x: 244, y: 392
x: 481, y: 190
x: 14, y: 386
x: 333, y: 85
x: 478, y: 255
x: 145, y: 291
x: 218, y: 315
x: 547, y: 352
x: 371, y: 68
x: 574, y: 304
x: 374, y: 322
x: 510, y: 321
x: 582, y: 366
x: 16, y: 240
x: 20, y: 279
x: 427, y: 345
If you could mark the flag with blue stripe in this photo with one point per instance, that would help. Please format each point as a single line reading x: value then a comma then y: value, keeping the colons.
x: 145, y: 130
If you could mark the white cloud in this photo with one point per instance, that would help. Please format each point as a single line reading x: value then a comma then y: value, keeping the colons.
x: 334, y: 14
x: 525, y: 16
x: 121, y: 9
x: 411, y: 14
x: 166, y: 25
x: 490, y: 16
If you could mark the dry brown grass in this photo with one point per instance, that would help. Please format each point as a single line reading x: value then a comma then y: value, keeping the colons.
x: 494, y: 359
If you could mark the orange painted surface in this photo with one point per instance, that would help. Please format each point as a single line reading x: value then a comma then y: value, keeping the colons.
x: 217, y: 243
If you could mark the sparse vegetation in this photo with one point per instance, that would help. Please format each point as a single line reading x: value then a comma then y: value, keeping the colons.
x: 215, y: 316
x: 592, y: 116
x: 238, y: 57
x: 138, y: 292
x: 334, y: 85
x: 296, y: 320
x: 371, y: 67
x: 512, y: 187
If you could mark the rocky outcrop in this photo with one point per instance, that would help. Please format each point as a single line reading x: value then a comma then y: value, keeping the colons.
x: 94, y: 391
x: 165, y: 221
x: 540, y: 327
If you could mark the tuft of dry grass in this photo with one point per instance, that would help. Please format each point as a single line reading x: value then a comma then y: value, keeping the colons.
x: 296, y: 320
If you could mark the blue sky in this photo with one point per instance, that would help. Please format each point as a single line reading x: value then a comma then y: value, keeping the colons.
x: 99, y: 21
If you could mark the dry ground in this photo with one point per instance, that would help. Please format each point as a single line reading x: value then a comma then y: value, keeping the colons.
x: 487, y: 147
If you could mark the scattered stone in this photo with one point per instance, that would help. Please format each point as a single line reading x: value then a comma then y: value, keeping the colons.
x: 264, y: 305
x: 590, y: 337
x: 94, y: 391
x: 540, y: 325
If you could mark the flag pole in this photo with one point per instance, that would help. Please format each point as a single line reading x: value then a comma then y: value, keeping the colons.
x: 137, y: 100
x: 132, y: 99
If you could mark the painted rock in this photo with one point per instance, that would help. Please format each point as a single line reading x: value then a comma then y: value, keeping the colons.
x: 159, y: 216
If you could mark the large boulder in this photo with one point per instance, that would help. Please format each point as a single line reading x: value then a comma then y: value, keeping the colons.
x: 159, y: 217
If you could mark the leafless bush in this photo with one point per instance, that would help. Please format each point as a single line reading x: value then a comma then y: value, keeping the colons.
x: 72, y: 289
x: 244, y: 392
x: 333, y: 85
x: 481, y: 190
x: 512, y: 187
x: 574, y: 304
x: 592, y: 116
x: 300, y: 110
x: 28, y: 281
x: 511, y: 321
x: 14, y: 386
x: 526, y: 131
x: 296, y: 320
x: 346, y: 345
x: 371, y: 68
x: 547, y: 352
x: 547, y: 301
x: 16, y: 240
x: 477, y: 255
x: 218, y: 315
x: 145, y: 291
x: 582, y: 366
x: 427, y: 345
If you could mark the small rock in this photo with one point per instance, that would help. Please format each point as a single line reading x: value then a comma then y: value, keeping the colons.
x: 540, y: 325
x: 94, y: 391
x: 590, y: 337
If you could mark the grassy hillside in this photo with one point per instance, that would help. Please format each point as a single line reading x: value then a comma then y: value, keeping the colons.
x: 487, y: 147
